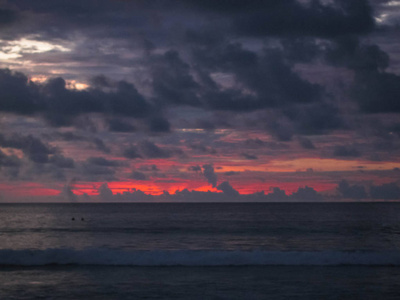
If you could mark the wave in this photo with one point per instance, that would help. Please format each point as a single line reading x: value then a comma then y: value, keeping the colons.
x: 109, y: 257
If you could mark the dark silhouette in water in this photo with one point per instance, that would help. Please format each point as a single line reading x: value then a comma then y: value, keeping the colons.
x: 73, y: 219
x: 82, y: 219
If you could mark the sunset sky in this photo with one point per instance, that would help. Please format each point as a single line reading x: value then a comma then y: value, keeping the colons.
x: 199, y: 100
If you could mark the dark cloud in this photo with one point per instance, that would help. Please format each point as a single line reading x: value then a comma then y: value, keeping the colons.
x: 96, y: 172
x: 306, y: 143
x: 377, y: 92
x: 388, y: 191
x: 60, y: 105
x: 67, y: 192
x: 19, y: 95
x: 62, y: 161
x: 69, y: 136
x: 172, y: 81
x: 373, y: 89
x: 306, y: 194
x: 126, y: 100
x: 254, y: 143
x: 231, y: 173
x: 346, y: 151
x: 31, y: 146
x: 146, y: 168
x: 138, y: 175
x: 105, y: 192
x: 195, y: 168
x: 99, y: 168
x: 7, y: 16
x: 101, y: 81
x: 118, y: 125
x: 9, y: 160
x: 282, y: 129
x: 315, y: 19
x: 159, y: 124
x: 249, y: 156
x: 208, y: 172
x: 227, y: 189
x: 131, y: 152
x: 301, y: 49
x: 151, y: 150
x: 315, y: 119
x: 100, y: 145
x: 290, y: 17
x: 351, y: 191
x: 348, y: 51
x: 277, y: 195
x: 270, y: 79
x: 101, y: 161
x: 202, y: 148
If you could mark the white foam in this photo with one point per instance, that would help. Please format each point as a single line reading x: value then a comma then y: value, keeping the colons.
x: 194, y: 258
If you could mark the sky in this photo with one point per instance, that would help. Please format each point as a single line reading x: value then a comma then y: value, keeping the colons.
x: 134, y: 100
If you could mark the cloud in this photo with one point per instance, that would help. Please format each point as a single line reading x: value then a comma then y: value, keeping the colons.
x: 147, y: 168
x: 231, y: 173
x: 9, y: 160
x: 138, y: 175
x: 254, y: 143
x: 172, y: 81
x: 195, y: 168
x: 315, y: 118
x: 118, y: 125
x: 228, y: 189
x: 99, y: 144
x: 19, y: 95
x: 290, y: 18
x: 373, y: 89
x: 101, y: 161
x: 306, y: 194
x: 159, y: 124
x: 151, y: 150
x: 277, y: 195
x: 7, y: 16
x: 98, y: 168
x: 314, y: 19
x: 208, y: 172
x: 131, y: 152
x: 350, y: 52
x: 105, y: 193
x: 67, y: 192
x: 351, y: 191
x: 201, y: 148
x: 270, y: 80
x: 387, y: 191
x: 69, y: 136
x: 60, y: 105
x: 306, y: 143
x: 249, y: 156
x: 346, y: 151
x: 31, y: 146
x: 377, y: 92
x: 62, y: 161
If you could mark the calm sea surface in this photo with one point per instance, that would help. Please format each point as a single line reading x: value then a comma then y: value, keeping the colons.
x: 200, y: 251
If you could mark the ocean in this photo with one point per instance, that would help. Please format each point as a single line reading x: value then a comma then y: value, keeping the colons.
x: 200, y: 251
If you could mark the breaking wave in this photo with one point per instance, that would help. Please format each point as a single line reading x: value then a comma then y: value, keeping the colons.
x: 109, y: 257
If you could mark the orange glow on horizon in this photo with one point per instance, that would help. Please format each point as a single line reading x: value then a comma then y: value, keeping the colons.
x: 27, y: 189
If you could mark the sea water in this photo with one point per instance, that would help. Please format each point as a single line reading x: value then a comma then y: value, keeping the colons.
x: 200, y: 251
